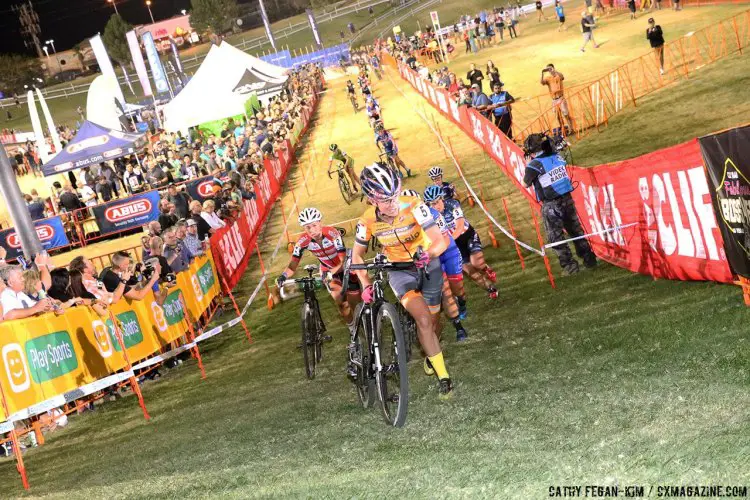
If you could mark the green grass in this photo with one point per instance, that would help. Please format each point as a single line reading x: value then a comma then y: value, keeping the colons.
x: 714, y: 98
x: 611, y: 379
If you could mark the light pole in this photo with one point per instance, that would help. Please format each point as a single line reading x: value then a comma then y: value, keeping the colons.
x: 148, y: 6
x: 46, y: 52
x: 114, y: 4
x: 51, y: 43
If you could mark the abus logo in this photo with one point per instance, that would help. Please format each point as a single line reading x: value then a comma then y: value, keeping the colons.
x: 128, y: 210
x: 206, y: 189
x: 45, y: 233
x: 97, y: 140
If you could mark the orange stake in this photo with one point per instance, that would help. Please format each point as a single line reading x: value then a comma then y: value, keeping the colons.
x: 283, y: 217
x: 191, y: 337
x: 16, y: 445
x: 489, y: 222
x: 513, y: 232
x: 237, y: 310
x: 541, y: 245
x: 262, y: 269
x: 304, y: 179
x: 133, y: 382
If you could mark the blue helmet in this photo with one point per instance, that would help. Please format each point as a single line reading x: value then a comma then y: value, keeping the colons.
x: 380, y: 182
x: 433, y: 193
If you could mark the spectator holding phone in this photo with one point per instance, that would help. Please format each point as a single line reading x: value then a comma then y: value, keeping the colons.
x: 15, y: 303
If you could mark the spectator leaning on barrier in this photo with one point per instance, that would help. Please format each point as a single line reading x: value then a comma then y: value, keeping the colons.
x: 209, y: 215
x: 120, y: 276
x: 501, y: 109
x: 176, y: 253
x: 69, y: 199
x: 90, y: 281
x: 15, y: 303
x: 88, y: 195
x: 480, y: 101
x: 194, y: 245
x: 68, y: 288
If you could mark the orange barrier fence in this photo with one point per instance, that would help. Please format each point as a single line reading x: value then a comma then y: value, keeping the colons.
x: 591, y: 107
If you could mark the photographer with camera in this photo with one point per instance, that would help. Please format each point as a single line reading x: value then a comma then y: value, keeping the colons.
x: 548, y: 174
x: 121, y: 276
x: 157, y: 266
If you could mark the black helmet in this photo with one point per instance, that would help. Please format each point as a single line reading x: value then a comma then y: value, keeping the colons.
x: 536, y: 143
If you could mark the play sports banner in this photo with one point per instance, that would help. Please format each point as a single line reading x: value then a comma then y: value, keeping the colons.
x: 50, y: 355
x: 665, y: 195
x: 233, y: 245
x: 50, y: 231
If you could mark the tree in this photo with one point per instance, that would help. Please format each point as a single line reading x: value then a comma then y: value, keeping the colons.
x: 114, y: 39
x: 17, y: 70
x: 217, y: 16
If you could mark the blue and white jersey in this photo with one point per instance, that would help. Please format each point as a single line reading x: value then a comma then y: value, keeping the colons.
x: 388, y: 144
x: 452, y: 212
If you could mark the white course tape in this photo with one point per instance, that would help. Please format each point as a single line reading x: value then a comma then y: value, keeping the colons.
x: 603, y: 231
x: 460, y: 172
x: 61, y: 399
x: 163, y: 357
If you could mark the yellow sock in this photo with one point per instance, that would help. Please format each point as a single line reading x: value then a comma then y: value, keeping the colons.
x: 438, y: 364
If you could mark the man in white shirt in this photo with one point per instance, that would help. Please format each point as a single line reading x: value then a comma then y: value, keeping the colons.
x: 15, y: 303
x: 88, y: 195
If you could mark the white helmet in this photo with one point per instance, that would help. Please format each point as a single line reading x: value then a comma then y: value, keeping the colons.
x: 410, y: 192
x: 309, y: 215
x: 435, y: 172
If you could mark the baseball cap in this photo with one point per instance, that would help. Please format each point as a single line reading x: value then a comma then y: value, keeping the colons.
x: 475, y: 86
x: 191, y: 222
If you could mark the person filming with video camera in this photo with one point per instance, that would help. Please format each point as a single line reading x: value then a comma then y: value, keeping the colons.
x: 547, y: 172
x: 136, y: 282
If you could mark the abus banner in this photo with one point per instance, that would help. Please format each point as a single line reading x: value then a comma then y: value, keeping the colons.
x: 665, y: 193
x: 727, y: 157
x: 120, y: 215
x: 51, y: 233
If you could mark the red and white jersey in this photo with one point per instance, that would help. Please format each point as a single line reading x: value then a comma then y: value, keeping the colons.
x: 330, y: 250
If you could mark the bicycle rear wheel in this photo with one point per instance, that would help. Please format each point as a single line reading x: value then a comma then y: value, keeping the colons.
x: 308, y: 340
x: 346, y: 191
x: 393, y: 378
x: 360, y: 356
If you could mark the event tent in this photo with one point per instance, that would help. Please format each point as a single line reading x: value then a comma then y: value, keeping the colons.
x: 93, y: 144
x: 221, y: 87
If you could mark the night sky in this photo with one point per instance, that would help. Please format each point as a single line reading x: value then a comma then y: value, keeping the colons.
x: 67, y: 22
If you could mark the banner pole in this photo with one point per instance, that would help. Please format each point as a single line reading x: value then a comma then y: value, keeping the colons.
x: 283, y: 216
x: 513, y: 232
x: 133, y: 382
x: 16, y: 445
x: 541, y: 245
x: 191, y: 336
x: 489, y: 222
x: 237, y: 310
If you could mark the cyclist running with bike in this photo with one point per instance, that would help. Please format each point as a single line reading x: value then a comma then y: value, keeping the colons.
x: 325, y: 243
x: 385, y: 143
x: 373, y: 111
x: 467, y: 240
x: 436, y: 176
x: 454, y: 299
x: 347, y: 162
x: 402, y: 225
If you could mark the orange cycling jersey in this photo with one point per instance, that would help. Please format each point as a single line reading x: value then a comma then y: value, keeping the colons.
x: 402, y: 237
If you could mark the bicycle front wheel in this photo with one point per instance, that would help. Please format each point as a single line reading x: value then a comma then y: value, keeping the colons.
x: 308, y: 340
x: 393, y: 377
x: 359, y: 353
x: 346, y: 191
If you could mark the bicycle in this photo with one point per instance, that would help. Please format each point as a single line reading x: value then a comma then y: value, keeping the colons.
x: 312, y: 323
x: 386, y: 158
x: 344, y: 185
x: 378, y: 349
x: 409, y: 327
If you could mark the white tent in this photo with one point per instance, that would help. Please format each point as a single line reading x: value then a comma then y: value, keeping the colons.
x: 220, y: 88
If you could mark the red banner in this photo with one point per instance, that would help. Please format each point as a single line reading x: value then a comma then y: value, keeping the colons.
x: 665, y: 193
x: 233, y: 245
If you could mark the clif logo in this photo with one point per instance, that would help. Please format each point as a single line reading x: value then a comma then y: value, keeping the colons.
x: 129, y: 210
x: 15, y: 367
x: 45, y: 233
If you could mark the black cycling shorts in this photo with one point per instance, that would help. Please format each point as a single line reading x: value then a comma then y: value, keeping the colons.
x: 354, y: 286
x: 468, y: 243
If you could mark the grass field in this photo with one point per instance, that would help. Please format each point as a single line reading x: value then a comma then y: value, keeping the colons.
x: 613, y: 379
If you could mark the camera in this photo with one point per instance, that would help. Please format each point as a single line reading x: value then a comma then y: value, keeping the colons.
x: 169, y: 279
x: 144, y: 271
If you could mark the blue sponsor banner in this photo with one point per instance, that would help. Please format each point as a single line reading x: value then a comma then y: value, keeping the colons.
x: 51, y: 233
x: 157, y: 70
x: 130, y: 213
x: 282, y: 58
x: 327, y: 57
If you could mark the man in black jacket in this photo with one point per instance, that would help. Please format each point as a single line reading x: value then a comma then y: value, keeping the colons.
x: 167, y: 217
x: 655, y: 37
